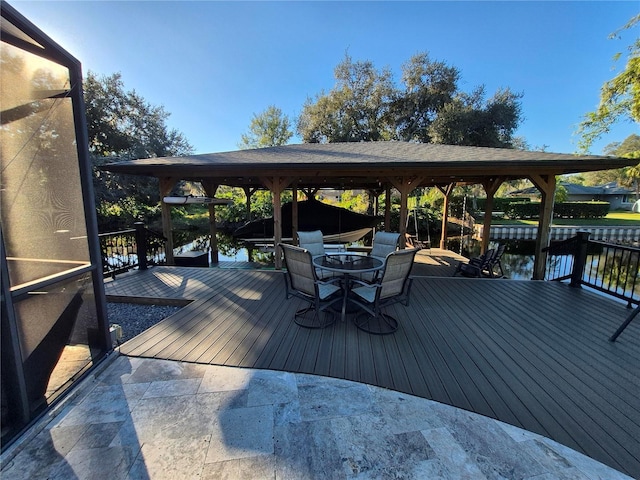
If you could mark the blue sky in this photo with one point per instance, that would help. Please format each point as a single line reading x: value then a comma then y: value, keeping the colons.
x: 213, y: 65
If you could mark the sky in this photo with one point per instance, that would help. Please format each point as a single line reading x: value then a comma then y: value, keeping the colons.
x: 214, y: 65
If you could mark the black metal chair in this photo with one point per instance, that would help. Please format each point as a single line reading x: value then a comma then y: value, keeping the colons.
x: 625, y: 324
x: 301, y: 281
x: 483, y: 265
x: 393, y: 286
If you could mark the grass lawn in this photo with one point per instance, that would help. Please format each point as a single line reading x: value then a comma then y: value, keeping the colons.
x: 618, y: 219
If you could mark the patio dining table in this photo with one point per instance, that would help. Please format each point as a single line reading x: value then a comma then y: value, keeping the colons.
x: 348, y: 265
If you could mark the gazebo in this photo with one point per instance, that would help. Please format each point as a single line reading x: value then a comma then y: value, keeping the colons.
x: 373, y: 166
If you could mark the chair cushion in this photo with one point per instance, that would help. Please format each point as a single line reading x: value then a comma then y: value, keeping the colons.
x: 368, y: 294
x: 325, y: 290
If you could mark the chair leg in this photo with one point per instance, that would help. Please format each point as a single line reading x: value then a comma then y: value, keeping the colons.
x: 625, y: 324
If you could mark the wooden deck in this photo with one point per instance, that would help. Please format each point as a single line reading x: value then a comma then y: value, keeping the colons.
x: 532, y: 354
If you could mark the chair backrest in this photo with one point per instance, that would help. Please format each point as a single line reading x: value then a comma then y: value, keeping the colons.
x: 495, y: 259
x: 384, y: 243
x: 396, y: 272
x: 300, y: 268
x: 312, y: 241
x: 499, y: 252
x: 484, y: 260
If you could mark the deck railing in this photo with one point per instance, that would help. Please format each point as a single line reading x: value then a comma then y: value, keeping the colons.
x: 609, y: 268
x: 127, y: 249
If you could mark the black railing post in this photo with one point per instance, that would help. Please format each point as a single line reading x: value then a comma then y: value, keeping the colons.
x: 141, y: 243
x: 579, y: 259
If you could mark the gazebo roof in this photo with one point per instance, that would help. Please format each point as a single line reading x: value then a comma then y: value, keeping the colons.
x: 365, y: 164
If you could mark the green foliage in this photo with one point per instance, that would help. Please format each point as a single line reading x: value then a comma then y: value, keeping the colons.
x: 356, y: 202
x: 500, y: 204
x: 123, y: 126
x: 428, y: 87
x: 365, y: 105
x: 574, y: 210
x: 619, y: 97
x: 270, y: 128
x: 355, y: 110
x: 123, y: 213
x: 470, y: 120
x: 561, y: 195
x: 628, y: 176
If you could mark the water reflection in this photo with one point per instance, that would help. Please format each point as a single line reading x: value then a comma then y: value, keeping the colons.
x: 517, y: 261
x: 230, y: 249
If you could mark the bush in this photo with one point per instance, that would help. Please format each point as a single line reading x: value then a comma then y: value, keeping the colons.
x: 500, y: 204
x: 588, y: 210
x: 584, y: 210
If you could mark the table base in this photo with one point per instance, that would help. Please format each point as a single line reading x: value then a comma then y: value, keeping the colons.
x: 381, y: 324
x: 310, y: 318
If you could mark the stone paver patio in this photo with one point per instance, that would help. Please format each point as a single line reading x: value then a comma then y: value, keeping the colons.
x: 147, y: 418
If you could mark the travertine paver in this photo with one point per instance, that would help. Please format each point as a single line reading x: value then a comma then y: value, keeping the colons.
x: 157, y: 419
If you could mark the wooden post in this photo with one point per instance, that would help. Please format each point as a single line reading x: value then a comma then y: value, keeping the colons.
x: 166, y: 184
x: 445, y: 213
x: 490, y: 187
x: 547, y: 186
x: 210, y: 189
x: 404, y: 185
x: 276, y: 185
x: 294, y: 215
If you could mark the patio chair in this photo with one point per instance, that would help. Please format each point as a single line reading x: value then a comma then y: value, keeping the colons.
x: 392, y: 287
x: 625, y: 324
x: 483, y: 265
x: 384, y: 243
x: 314, y: 242
x: 302, y: 282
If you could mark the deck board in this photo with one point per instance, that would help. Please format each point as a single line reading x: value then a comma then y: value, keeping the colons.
x: 532, y: 354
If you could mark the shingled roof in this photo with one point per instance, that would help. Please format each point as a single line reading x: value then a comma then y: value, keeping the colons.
x: 366, y: 164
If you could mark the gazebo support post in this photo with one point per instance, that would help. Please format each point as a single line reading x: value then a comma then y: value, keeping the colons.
x: 210, y: 189
x: 547, y: 186
x: 294, y: 214
x: 490, y: 187
x: 445, y: 212
x: 404, y: 185
x: 276, y: 185
x: 166, y: 184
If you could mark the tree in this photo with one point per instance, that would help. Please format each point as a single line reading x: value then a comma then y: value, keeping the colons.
x: 123, y: 126
x: 619, y: 97
x: 469, y: 120
x: 428, y: 87
x: 365, y: 105
x: 271, y: 128
x: 355, y: 110
x: 628, y: 176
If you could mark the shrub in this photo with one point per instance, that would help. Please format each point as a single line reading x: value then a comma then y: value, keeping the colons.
x: 584, y: 210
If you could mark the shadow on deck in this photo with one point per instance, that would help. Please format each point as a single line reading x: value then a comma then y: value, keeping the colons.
x: 532, y: 354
